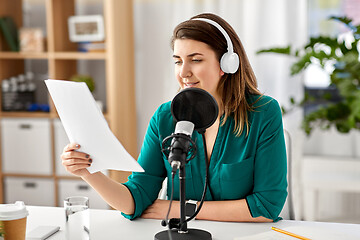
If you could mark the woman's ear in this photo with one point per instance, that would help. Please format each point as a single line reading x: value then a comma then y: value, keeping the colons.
x: 221, y: 72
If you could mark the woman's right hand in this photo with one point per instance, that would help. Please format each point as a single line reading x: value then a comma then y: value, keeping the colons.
x: 75, y: 162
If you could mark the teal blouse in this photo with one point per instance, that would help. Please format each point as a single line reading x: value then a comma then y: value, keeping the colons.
x: 251, y: 167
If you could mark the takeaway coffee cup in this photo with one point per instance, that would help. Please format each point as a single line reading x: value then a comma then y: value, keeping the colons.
x: 13, y: 221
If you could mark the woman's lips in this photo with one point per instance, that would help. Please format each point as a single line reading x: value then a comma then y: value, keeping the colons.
x: 188, y: 85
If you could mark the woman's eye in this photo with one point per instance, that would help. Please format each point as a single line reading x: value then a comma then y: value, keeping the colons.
x: 177, y: 62
x: 196, y: 60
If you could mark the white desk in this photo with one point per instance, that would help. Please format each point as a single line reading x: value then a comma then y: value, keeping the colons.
x: 110, y: 224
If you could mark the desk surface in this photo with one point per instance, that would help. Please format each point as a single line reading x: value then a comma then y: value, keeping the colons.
x: 110, y: 224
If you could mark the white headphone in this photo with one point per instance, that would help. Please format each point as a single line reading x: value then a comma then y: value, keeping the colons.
x: 229, y: 62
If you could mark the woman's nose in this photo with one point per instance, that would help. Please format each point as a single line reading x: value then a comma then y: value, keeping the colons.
x: 185, y: 71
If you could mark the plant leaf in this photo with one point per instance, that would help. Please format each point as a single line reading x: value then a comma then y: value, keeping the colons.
x: 328, y: 41
x: 345, y: 20
x: 281, y: 50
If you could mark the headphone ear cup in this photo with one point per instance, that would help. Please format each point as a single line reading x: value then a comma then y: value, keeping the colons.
x: 229, y: 62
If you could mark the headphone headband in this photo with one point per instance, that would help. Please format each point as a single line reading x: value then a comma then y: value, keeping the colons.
x: 221, y: 29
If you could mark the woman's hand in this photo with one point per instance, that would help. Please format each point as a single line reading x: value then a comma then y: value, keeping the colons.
x: 159, y: 209
x: 75, y: 162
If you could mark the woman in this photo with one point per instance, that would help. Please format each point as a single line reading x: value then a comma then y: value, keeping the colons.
x: 245, y: 145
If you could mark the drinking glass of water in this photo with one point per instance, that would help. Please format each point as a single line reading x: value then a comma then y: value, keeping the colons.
x: 77, y: 223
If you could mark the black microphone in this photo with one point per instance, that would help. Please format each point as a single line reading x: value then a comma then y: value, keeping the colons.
x: 192, y: 108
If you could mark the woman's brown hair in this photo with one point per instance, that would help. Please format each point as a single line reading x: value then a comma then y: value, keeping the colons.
x: 233, y: 88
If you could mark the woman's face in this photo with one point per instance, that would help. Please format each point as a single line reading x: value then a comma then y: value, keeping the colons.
x: 196, y: 65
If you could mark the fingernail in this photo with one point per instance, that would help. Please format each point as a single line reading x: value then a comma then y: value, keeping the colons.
x: 87, y: 155
x: 77, y: 146
x: 90, y: 160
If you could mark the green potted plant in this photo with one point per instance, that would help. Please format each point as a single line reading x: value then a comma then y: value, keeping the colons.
x: 345, y: 77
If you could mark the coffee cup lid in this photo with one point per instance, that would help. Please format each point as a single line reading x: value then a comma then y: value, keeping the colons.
x: 13, y: 211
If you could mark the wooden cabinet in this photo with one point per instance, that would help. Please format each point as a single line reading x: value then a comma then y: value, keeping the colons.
x: 62, y: 59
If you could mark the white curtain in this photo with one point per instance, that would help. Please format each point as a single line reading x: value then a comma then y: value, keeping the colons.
x: 259, y: 24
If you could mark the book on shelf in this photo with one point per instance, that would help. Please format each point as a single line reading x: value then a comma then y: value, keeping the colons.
x: 10, y: 33
x: 91, y: 46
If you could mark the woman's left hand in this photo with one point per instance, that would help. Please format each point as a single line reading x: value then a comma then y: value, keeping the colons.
x: 159, y: 209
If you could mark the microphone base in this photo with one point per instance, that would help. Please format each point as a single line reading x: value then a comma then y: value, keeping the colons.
x: 192, y: 234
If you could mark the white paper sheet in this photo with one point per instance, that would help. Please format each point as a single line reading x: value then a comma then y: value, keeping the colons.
x: 85, y: 124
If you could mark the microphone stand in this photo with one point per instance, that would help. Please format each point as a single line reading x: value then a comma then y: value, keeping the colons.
x: 183, y: 223
x: 183, y: 233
